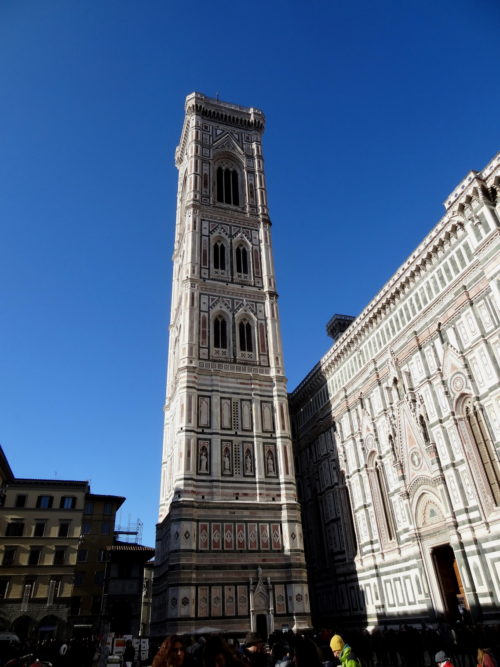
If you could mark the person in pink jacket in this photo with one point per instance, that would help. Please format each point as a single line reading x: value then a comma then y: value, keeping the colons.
x: 485, y: 658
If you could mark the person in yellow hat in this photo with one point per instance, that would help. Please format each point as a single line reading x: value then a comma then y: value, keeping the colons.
x: 343, y: 652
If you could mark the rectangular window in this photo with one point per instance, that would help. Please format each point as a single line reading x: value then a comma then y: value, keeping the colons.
x: 15, y: 529
x: 34, y: 555
x: 99, y: 578
x: 454, y: 265
x: 4, y: 587
x: 86, y: 528
x: 67, y: 502
x: 102, y: 555
x: 63, y: 529
x: 54, y: 590
x: 447, y: 271
x: 75, y: 605
x: 9, y: 556
x: 89, y: 508
x: 28, y: 591
x: 108, y: 508
x: 105, y: 528
x: 82, y: 555
x: 440, y: 276
x: 21, y: 500
x: 39, y: 528
x: 44, y: 502
x: 59, y: 555
x: 461, y: 258
x: 96, y: 605
x: 79, y: 577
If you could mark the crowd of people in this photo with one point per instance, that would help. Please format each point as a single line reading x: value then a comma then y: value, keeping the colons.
x: 407, y: 646
x: 444, y: 646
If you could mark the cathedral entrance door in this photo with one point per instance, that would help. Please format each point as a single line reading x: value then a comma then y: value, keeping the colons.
x: 450, y: 581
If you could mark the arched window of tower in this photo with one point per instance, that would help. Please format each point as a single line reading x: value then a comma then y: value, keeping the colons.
x: 219, y: 256
x: 220, y: 332
x: 241, y: 259
x: 228, y: 186
x: 245, y: 335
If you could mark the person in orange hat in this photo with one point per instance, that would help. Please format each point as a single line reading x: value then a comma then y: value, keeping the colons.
x: 343, y: 652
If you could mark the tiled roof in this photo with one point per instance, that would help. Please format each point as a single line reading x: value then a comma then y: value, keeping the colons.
x: 130, y: 546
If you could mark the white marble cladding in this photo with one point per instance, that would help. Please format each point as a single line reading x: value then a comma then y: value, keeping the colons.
x: 404, y: 414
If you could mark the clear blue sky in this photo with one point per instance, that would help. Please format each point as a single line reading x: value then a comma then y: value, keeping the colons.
x: 375, y: 111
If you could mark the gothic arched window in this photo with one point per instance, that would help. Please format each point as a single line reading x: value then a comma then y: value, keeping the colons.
x: 384, y: 498
x: 228, y: 186
x: 220, y: 333
x: 219, y: 256
x: 241, y: 259
x: 245, y: 336
x: 480, y: 435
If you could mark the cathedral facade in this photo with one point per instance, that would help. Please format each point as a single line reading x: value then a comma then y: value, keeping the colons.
x: 229, y: 550
x: 397, y: 434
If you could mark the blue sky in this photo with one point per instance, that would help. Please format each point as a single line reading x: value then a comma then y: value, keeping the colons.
x: 375, y: 111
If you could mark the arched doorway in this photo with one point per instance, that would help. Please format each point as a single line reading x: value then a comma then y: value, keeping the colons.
x: 48, y: 628
x: 23, y: 627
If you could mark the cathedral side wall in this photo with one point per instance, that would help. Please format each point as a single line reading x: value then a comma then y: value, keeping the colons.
x: 398, y: 429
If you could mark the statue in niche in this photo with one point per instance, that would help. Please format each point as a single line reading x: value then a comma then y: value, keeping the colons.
x: 267, y: 417
x: 248, y: 462
x: 204, y: 412
x: 271, y: 468
x: 246, y: 416
x: 226, y: 458
x: 203, y: 462
x: 226, y: 414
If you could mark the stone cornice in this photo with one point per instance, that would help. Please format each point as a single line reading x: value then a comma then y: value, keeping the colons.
x: 416, y: 264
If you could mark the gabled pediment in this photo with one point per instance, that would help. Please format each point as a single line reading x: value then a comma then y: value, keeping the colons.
x: 411, y: 446
x: 227, y: 143
x: 451, y: 361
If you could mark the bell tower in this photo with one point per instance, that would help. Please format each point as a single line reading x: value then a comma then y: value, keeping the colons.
x: 229, y: 537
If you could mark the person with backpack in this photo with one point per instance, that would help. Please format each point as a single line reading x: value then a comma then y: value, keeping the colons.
x: 343, y: 652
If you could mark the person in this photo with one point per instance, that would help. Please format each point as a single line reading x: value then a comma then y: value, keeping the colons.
x: 306, y: 653
x: 254, y: 650
x: 129, y: 654
x: 485, y: 658
x: 343, y: 652
x: 171, y: 653
x: 442, y: 660
x: 218, y: 653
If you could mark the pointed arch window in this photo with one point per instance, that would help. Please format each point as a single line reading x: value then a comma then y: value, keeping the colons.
x: 241, y: 259
x: 228, y: 186
x: 219, y: 256
x: 245, y: 336
x: 482, y: 440
x: 220, y: 333
x: 381, y: 501
x: 384, y: 498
